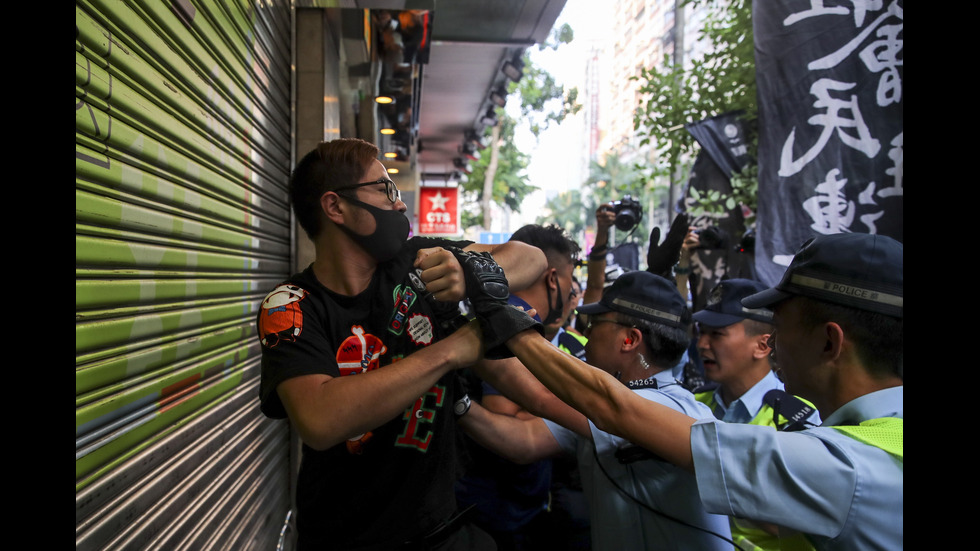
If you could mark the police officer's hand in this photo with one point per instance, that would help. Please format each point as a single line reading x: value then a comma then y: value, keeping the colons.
x: 441, y: 273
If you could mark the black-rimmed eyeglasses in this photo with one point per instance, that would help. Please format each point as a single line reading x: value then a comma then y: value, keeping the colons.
x: 391, y: 190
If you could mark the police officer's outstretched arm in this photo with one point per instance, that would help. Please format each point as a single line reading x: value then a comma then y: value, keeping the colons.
x: 611, y: 405
x: 517, y: 439
x: 594, y: 393
x: 487, y: 291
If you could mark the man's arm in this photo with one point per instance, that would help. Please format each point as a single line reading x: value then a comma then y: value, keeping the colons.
x: 519, y: 440
x: 523, y: 264
x: 443, y: 276
x: 596, y: 279
x: 329, y: 410
x: 612, y: 406
x: 516, y: 383
x: 683, y: 278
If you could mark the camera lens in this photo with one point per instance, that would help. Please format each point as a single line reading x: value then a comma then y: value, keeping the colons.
x: 625, y: 220
x: 628, y: 213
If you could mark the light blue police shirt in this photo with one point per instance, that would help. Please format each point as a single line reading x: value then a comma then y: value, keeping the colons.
x: 842, y: 493
x: 745, y: 408
x: 620, y: 523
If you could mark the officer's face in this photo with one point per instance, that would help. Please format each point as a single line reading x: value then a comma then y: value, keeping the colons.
x: 797, y: 349
x: 605, y: 336
x: 726, y: 352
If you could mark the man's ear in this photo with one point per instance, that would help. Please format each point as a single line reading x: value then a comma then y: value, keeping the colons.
x: 761, y: 348
x: 332, y: 207
x: 550, y: 276
x: 633, y: 339
x: 835, y: 340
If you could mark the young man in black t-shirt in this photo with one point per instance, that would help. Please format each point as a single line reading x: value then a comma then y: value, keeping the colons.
x: 379, y: 446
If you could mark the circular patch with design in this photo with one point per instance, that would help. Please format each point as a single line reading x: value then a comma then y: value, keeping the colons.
x: 420, y: 329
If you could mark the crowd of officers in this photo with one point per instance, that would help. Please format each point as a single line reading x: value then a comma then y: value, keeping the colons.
x: 393, y: 357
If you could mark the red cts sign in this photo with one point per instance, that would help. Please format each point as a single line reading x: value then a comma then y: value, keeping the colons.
x: 438, y: 210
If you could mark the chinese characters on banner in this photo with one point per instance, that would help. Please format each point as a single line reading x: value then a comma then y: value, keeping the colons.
x: 438, y: 210
x: 830, y: 118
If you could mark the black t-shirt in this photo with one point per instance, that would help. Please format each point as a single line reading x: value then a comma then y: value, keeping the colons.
x: 396, y: 481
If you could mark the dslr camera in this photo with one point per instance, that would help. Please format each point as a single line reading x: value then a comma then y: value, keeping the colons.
x: 628, y: 211
x: 712, y: 237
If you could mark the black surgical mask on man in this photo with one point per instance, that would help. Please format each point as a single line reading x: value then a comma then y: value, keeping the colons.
x: 390, y: 231
x: 555, y: 312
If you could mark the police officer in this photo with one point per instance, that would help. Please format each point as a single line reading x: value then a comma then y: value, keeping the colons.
x: 838, y: 312
x: 733, y: 344
x: 637, y: 334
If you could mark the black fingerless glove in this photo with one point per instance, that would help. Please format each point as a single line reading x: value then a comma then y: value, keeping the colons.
x: 487, y: 290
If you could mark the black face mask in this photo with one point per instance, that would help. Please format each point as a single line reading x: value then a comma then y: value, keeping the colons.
x: 390, y: 232
x: 554, y: 312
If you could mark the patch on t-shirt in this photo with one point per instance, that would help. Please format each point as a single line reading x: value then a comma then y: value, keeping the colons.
x: 404, y: 299
x: 360, y: 352
x: 416, y: 279
x: 281, y: 318
x: 420, y: 329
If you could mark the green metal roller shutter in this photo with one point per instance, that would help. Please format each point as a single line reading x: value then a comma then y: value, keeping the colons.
x: 182, y: 153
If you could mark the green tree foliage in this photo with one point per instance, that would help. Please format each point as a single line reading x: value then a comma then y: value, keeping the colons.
x: 567, y: 210
x: 510, y: 183
x: 543, y: 101
x: 611, y: 179
x: 720, y: 82
x: 614, y: 178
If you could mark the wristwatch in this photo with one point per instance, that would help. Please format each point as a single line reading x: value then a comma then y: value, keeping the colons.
x: 462, y: 406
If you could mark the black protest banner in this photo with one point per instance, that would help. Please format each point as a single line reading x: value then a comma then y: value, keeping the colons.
x: 830, y: 120
x: 723, y: 137
x: 723, y: 153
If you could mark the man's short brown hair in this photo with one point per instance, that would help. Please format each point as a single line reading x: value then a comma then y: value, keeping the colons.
x: 330, y: 165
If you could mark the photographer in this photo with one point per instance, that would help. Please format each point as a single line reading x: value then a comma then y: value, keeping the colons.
x: 625, y: 215
x: 703, y: 262
x: 605, y: 216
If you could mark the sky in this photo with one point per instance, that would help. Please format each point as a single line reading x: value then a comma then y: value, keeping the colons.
x: 551, y: 169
